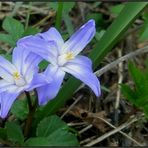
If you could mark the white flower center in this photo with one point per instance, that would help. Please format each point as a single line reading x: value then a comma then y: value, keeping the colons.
x: 62, y: 59
x: 18, y: 79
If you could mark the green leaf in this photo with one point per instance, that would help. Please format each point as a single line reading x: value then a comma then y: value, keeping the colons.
x: 116, y: 30
x: 38, y: 141
x: 56, y: 132
x: 7, y: 39
x: 68, y: 24
x: 48, y: 125
x: 14, y: 132
x: 135, y: 73
x: 43, y: 64
x: 145, y: 15
x: 139, y: 77
x: 139, y: 95
x: 20, y: 109
x: 128, y: 92
x: 99, y: 35
x: 53, y: 5
x: 2, y: 51
x: 145, y: 108
x: 31, y: 31
x: 97, y: 17
x: 144, y: 32
x: 117, y: 9
x: 68, y: 6
x: 7, y: 56
x: 13, y: 27
x: 106, y: 43
x: 62, y: 138
x: 3, y: 134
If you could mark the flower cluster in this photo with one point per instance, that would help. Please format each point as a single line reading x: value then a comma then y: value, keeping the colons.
x: 23, y: 73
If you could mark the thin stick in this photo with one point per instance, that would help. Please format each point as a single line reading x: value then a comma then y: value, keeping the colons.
x: 77, y: 124
x: 51, y: 14
x: 118, y: 94
x: 124, y: 58
x: 87, y: 140
x: 120, y: 75
x: 71, y: 106
x: 124, y: 134
x: 85, y: 129
x: 33, y: 8
x: 99, y: 139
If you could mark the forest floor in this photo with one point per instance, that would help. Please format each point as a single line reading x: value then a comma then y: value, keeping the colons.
x: 110, y: 120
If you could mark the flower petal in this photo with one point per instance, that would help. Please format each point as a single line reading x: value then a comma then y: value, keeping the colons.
x: 26, y: 62
x: 53, y: 34
x: 47, y: 50
x: 82, y: 70
x: 38, y: 81
x: 6, y: 101
x: 6, y: 70
x: 4, y: 85
x: 48, y: 92
x: 30, y: 66
x: 80, y: 38
x: 9, y: 87
x: 82, y: 60
x: 18, y: 57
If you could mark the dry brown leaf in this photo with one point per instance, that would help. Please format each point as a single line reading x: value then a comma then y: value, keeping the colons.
x: 91, y: 118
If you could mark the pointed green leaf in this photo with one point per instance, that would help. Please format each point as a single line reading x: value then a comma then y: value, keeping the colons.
x: 139, y: 77
x: 128, y: 92
x: 116, y: 9
x: 68, y: 6
x: 144, y: 33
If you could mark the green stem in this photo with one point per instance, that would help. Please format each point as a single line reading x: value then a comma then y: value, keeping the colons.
x: 59, y: 15
x: 32, y: 109
x: 28, y: 16
x: 29, y: 100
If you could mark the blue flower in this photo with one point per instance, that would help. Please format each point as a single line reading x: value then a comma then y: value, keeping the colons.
x: 18, y: 76
x: 63, y: 57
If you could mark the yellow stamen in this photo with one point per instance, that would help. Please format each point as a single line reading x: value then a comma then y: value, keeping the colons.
x: 69, y: 56
x: 16, y: 75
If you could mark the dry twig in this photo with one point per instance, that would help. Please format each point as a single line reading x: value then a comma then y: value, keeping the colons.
x: 71, y: 106
x: 85, y: 129
x: 123, y: 58
x: 124, y: 134
x: 99, y: 139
